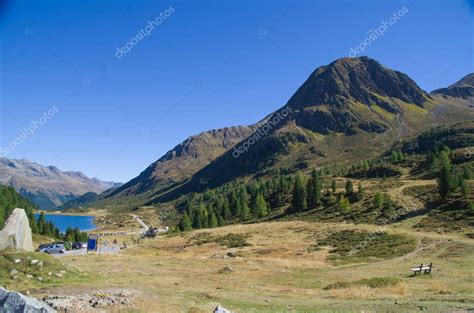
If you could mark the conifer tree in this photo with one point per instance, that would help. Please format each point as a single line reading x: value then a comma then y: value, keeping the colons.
x: 225, y: 209
x: 262, y: 206
x: 444, y: 176
x: 378, y: 200
x: 185, y: 223
x: 343, y: 205
x: 234, y: 204
x: 349, y: 188
x: 213, y: 220
x: 334, y: 186
x: 244, y: 207
x: 394, y: 157
x: 313, y: 190
x: 365, y: 166
x: 299, y: 195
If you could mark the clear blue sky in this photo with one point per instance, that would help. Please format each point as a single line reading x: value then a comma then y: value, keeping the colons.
x: 208, y: 65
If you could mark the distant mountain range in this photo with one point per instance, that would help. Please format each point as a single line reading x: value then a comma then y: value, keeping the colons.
x: 47, y: 186
x: 349, y: 110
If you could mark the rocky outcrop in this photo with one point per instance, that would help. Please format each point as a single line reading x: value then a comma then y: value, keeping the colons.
x: 16, y: 302
x: 16, y: 233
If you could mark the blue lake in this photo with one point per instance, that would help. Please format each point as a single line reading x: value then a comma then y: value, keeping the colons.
x: 62, y: 222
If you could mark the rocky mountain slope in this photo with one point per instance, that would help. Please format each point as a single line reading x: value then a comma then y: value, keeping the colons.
x: 352, y: 109
x: 184, y: 160
x: 349, y: 110
x: 47, y: 186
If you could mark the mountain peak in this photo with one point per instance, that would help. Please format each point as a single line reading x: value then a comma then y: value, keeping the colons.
x: 361, y: 79
x: 464, y: 88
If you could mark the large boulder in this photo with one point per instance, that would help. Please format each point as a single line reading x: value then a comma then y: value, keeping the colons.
x: 15, y: 302
x: 16, y: 233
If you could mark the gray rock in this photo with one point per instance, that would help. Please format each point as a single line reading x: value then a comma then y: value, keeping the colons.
x: 15, y: 302
x: 231, y: 254
x: 220, y: 309
x: 34, y: 261
x: 13, y: 272
x: 16, y: 233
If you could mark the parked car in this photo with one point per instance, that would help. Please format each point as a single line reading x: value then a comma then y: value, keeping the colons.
x: 79, y: 245
x: 54, y: 248
x: 66, y: 244
x: 42, y: 246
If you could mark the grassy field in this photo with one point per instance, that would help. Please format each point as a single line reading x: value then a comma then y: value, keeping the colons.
x: 274, y: 266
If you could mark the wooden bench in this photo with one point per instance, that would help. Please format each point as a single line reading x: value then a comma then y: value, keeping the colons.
x: 419, y: 269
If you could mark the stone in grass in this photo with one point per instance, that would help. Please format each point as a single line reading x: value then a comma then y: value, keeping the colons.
x: 13, y: 272
x: 225, y: 270
x: 17, y: 261
x: 29, y: 276
x: 34, y: 261
x: 58, y: 275
x: 220, y: 309
x: 231, y: 254
x: 39, y: 278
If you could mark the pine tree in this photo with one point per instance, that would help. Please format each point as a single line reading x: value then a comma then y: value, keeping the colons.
x: 388, y: 206
x: 444, y: 176
x: 299, y: 195
x: 262, y: 206
x: 185, y: 223
x: 244, y: 213
x: 220, y: 221
x: 204, y: 216
x: 378, y: 200
x: 244, y: 207
x: 197, y: 220
x: 225, y: 209
x: 234, y: 204
x: 41, y: 224
x: 349, y: 188
x: 394, y: 157
x: 466, y: 174
x: 213, y: 220
x: 343, y: 205
x: 365, y: 166
x: 401, y: 157
x: 313, y: 190
x: 334, y: 186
